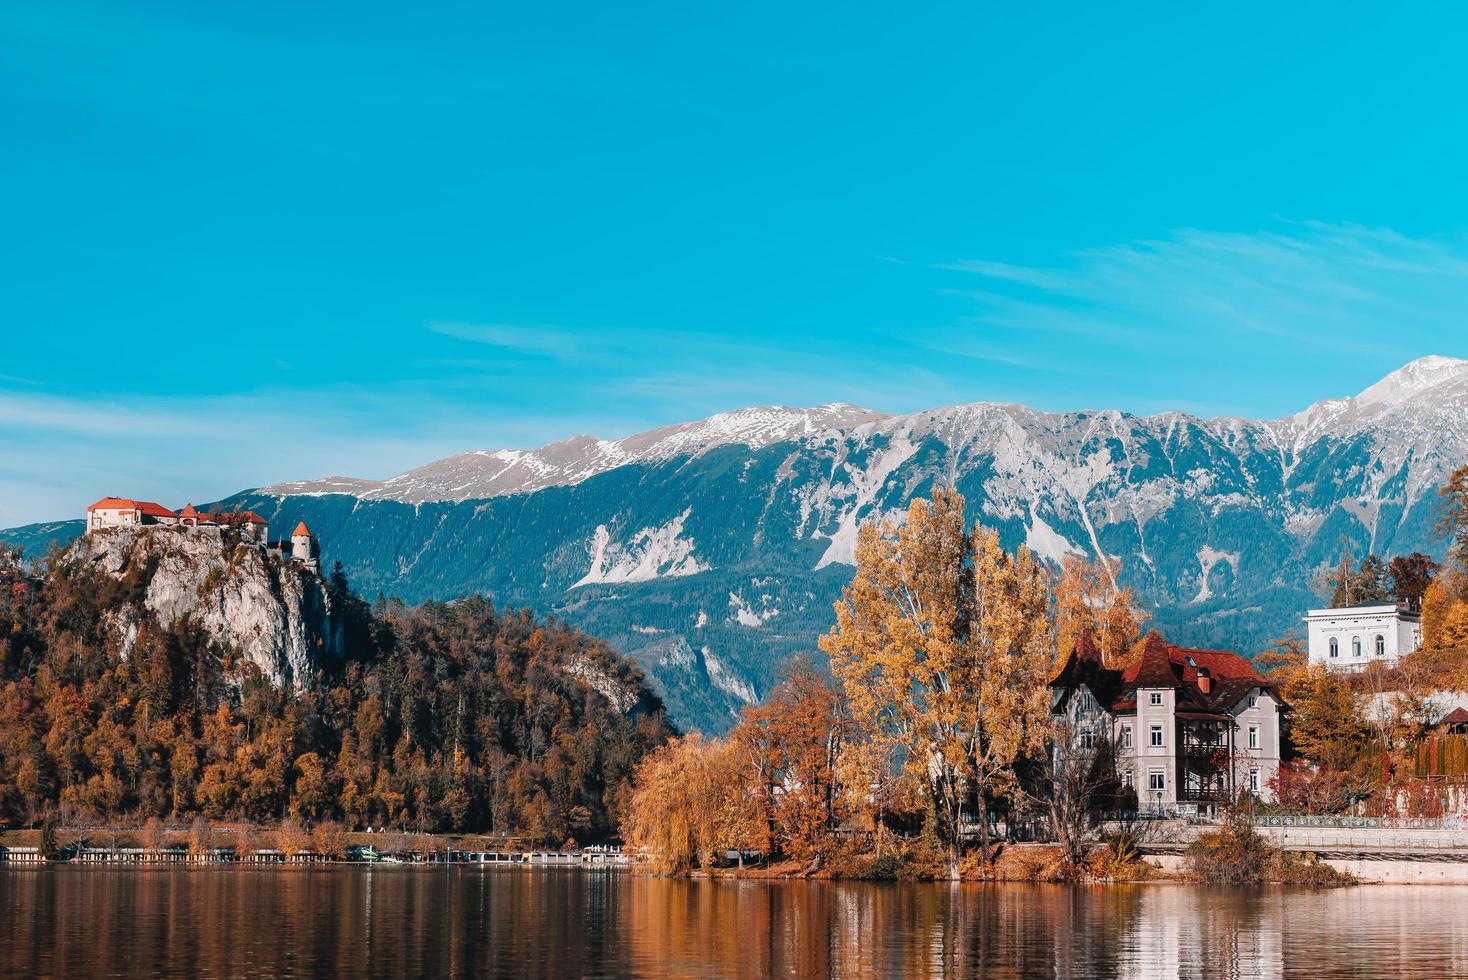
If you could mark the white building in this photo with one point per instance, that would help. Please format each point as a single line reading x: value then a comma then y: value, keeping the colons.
x: 304, y: 547
x: 1349, y: 638
x: 125, y: 512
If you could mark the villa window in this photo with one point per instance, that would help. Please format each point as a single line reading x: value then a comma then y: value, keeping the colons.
x: 1380, y: 645
x: 1156, y: 780
x: 1088, y: 739
x: 1156, y: 697
x: 1126, y: 736
x: 1156, y: 735
x: 1335, y: 647
x: 1253, y: 736
x: 1126, y: 777
x: 1355, y: 646
x: 1253, y: 780
x: 1253, y: 700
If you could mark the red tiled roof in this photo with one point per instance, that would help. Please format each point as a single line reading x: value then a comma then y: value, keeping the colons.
x: 122, y: 503
x: 1153, y: 668
x: 301, y: 528
x: 1162, y: 665
x: 188, y: 511
x: 1455, y: 717
x: 237, y: 517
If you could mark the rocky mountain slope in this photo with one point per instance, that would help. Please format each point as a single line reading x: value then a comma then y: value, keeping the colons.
x: 711, y: 551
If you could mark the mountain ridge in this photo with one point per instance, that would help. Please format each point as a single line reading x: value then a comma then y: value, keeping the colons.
x: 712, y: 551
x: 579, y: 457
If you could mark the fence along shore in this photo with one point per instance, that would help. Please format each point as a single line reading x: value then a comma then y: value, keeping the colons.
x: 180, y: 854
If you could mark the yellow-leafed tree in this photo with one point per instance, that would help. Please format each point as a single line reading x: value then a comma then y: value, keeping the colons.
x: 691, y: 801
x: 1088, y: 598
x: 942, y: 645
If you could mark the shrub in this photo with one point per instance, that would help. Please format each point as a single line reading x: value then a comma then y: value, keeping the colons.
x: 1307, y: 869
x: 884, y: 867
x: 1234, y: 854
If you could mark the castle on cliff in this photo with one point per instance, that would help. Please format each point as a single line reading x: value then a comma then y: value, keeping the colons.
x: 126, y: 512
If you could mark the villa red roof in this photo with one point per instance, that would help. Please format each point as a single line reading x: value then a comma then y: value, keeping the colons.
x: 1162, y: 665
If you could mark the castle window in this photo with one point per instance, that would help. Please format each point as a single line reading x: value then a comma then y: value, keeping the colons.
x: 1335, y: 647
x: 1380, y: 645
x: 1355, y: 646
x: 1156, y: 697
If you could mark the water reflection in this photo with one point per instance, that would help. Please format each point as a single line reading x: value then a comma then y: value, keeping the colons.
x: 460, y: 922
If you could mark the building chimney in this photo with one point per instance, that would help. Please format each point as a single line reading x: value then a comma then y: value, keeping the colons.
x: 1205, y: 680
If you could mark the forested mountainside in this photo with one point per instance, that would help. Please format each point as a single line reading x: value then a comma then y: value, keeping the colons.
x: 712, y: 551
x: 142, y: 674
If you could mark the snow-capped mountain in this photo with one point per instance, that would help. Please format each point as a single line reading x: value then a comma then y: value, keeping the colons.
x: 711, y: 551
x: 482, y: 474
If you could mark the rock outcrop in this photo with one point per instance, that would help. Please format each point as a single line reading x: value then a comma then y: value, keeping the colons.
x: 264, y: 608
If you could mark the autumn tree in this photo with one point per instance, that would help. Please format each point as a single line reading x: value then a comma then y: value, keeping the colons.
x: 1069, y: 785
x: 1351, y: 585
x: 792, y: 745
x: 1411, y: 575
x: 1454, y: 520
x: 942, y: 643
x: 690, y: 801
x: 1087, y: 598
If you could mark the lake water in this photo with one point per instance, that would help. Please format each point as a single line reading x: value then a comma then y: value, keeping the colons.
x: 401, y: 922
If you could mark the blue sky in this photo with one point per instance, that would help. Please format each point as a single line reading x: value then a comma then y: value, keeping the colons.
x: 247, y: 243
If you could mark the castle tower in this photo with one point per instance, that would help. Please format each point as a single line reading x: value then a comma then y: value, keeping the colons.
x: 303, y: 544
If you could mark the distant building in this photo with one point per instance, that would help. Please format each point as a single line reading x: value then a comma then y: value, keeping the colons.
x: 1350, y: 637
x: 124, y: 512
x: 303, y: 545
x: 1188, y: 728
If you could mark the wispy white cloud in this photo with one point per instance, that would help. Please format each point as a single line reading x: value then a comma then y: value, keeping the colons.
x: 1304, y: 282
x: 1225, y: 320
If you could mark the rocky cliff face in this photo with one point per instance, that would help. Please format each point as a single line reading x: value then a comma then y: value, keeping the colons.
x: 267, y: 610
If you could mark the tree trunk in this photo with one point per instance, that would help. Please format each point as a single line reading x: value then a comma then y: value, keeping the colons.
x: 983, y: 828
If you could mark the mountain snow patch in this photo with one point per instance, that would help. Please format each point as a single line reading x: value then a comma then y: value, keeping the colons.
x: 1208, y: 556
x: 865, y: 484
x: 653, y: 552
x: 1045, y: 541
x: 721, y: 677
x: 747, y: 615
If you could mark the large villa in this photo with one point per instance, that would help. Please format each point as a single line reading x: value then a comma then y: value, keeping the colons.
x: 1189, y: 728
